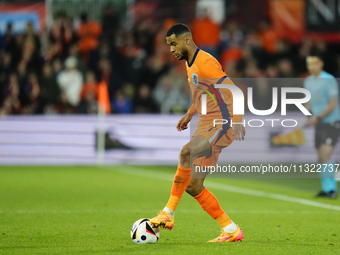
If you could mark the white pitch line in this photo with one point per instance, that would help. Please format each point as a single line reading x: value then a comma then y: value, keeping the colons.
x: 168, y: 177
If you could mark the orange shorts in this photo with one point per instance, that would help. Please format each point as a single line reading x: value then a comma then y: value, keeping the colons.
x: 218, y: 139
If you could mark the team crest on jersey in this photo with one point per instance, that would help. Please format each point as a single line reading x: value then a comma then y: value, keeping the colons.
x: 195, y: 79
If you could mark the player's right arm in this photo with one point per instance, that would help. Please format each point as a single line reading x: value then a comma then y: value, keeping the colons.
x: 184, y: 121
x: 307, y: 105
x: 333, y: 95
x: 316, y: 119
x: 312, y: 120
x: 192, y: 110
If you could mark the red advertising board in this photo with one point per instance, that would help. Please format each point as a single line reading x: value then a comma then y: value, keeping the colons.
x: 19, y: 14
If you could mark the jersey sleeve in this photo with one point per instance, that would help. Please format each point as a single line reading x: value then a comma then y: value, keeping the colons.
x: 333, y: 90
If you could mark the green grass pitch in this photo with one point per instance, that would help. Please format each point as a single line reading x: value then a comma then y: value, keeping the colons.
x: 90, y: 210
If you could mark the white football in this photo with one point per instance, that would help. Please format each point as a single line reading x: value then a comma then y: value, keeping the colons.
x: 142, y: 232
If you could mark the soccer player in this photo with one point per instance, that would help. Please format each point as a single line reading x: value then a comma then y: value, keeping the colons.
x: 324, y: 104
x: 208, y: 140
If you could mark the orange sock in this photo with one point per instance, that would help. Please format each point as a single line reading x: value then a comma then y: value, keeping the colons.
x: 211, y: 205
x: 181, y: 181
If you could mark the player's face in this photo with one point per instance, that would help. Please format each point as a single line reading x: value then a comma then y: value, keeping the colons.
x: 314, y: 65
x: 178, y: 46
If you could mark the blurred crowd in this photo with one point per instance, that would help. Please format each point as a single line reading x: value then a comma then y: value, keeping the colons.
x: 58, y: 71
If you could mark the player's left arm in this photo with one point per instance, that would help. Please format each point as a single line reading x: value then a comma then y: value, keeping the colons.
x: 333, y: 94
x: 238, y: 129
x: 213, y: 69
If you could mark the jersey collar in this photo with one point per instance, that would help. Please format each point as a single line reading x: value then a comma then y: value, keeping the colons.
x: 193, y: 59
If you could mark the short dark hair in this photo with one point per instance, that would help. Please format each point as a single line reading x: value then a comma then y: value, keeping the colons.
x: 178, y: 29
x: 315, y: 53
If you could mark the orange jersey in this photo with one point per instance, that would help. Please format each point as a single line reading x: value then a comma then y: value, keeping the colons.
x: 204, y: 72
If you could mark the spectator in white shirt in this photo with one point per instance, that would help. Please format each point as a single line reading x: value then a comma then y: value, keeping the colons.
x: 70, y: 82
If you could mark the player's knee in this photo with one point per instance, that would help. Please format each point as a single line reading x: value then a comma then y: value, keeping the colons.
x: 187, y: 155
x: 185, y: 152
x: 194, y: 189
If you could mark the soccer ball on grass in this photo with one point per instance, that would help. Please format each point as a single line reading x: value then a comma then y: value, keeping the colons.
x: 142, y: 232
